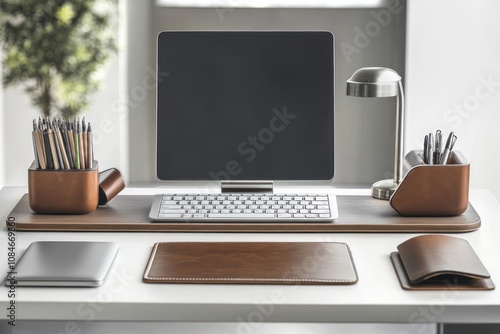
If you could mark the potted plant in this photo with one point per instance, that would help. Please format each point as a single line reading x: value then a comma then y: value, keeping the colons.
x: 55, y: 48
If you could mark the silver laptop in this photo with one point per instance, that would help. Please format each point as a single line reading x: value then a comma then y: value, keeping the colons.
x: 64, y: 263
x: 246, y: 110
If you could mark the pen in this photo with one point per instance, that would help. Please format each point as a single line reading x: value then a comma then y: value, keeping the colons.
x: 439, y: 147
x: 430, y: 145
x: 426, y: 149
x: 450, y: 143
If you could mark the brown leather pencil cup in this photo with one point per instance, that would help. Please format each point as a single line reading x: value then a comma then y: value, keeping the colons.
x: 433, y: 190
x: 73, y: 191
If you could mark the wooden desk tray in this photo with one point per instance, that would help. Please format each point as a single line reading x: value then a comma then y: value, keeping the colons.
x: 129, y: 213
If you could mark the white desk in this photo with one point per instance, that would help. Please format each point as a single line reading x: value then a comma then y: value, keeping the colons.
x: 377, y: 297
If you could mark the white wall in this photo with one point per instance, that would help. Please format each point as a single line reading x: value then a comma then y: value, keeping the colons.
x: 453, y: 49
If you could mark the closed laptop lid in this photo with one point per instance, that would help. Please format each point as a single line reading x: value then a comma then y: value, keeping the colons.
x: 65, y: 263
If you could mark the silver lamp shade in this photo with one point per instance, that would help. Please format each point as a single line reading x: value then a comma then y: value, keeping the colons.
x: 382, y: 82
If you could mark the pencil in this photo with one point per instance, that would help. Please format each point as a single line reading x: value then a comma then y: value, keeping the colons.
x: 71, y: 142
x: 77, y: 150
x: 90, y: 144
x: 39, y: 150
x: 85, y: 144
x: 62, y: 147
x: 34, y: 135
x: 39, y: 133
x: 67, y: 145
x: 48, y: 152
x: 53, y: 149
x: 56, y: 142
x: 80, y: 146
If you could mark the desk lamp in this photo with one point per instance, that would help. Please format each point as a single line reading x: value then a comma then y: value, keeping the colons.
x: 382, y: 82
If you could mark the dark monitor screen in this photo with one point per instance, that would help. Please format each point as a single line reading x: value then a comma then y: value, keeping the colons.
x: 245, y: 106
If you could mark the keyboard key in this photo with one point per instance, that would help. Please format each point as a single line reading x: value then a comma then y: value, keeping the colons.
x: 169, y: 202
x: 311, y: 215
x: 320, y: 211
x: 242, y: 215
x: 170, y: 215
x: 299, y: 215
x: 172, y: 211
x: 324, y: 215
x: 198, y: 215
x: 171, y: 206
x: 284, y: 215
x: 322, y: 198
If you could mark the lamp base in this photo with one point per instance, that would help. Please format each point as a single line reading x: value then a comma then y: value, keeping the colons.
x: 383, y: 189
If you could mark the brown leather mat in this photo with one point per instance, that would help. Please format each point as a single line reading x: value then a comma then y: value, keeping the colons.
x: 129, y: 213
x: 251, y: 263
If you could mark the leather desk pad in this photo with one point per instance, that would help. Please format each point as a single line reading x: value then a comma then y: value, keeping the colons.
x: 251, y: 263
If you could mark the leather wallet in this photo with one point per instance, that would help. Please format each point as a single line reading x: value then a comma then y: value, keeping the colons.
x: 439, y: 262
x: 251, y: 263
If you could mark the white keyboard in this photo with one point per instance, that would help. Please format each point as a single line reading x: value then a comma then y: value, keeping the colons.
x: 234, y: 208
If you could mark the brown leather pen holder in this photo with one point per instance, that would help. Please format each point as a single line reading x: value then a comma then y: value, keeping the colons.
x: 433, y: 190
x: 74, y: 191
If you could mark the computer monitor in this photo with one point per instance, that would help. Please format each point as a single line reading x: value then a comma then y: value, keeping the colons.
x: 245, y: 105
